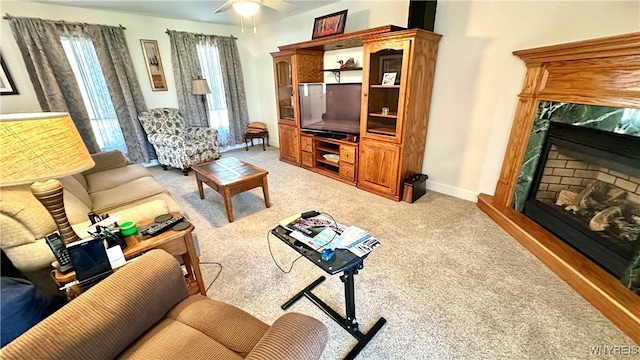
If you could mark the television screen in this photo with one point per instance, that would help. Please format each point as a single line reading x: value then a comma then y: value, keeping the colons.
x: 330, y: 108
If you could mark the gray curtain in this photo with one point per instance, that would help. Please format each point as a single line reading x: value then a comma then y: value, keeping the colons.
x: 51, y: 74
x: 233, y: 88
x: 186, y: 67
x: 112, y: 51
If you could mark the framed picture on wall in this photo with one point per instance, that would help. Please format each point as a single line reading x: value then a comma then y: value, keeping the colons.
x: 7, y: 87
x: 152, y: 59
x: 328, y: 25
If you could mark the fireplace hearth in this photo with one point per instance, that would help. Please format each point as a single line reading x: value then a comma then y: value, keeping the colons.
x: 586, y: 191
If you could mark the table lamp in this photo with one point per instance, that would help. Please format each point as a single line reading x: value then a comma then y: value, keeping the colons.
x: 37, y: 148
x: 201, y: 87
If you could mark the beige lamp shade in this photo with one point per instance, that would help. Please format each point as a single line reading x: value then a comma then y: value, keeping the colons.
x: 200, y: 87
x: 40, y: 146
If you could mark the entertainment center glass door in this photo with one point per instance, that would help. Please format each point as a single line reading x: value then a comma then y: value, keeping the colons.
x: 383, y: 87
x: 284, y: 89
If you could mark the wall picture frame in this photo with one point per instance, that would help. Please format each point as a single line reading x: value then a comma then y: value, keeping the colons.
x: 7, y: 87
x: 152, y: 59
x: 391, y: 64
x: 328, y: 25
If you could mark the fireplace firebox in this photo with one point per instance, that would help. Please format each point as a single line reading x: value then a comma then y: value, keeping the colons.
x: 586, y: 190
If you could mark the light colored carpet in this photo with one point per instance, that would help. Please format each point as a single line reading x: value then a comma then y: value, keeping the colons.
x: 449, y: 281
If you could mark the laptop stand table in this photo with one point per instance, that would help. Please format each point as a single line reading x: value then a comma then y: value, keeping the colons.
x: 349, y: 264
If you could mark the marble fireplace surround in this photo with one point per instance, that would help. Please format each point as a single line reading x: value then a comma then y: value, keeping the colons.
x: 602, y: 72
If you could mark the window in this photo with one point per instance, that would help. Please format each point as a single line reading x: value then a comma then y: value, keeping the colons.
x: 95, y: 94
x: 216, y: 101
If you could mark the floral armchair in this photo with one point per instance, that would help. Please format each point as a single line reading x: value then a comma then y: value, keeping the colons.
x: 177, y: 145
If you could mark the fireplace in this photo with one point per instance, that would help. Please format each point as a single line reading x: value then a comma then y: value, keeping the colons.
x: 598, y: 72
x: 586, y: 191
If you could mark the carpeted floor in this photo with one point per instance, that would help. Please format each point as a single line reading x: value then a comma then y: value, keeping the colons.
x: 449, y: 281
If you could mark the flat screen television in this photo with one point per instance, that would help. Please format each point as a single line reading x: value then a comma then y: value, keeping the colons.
x: 330, y: 108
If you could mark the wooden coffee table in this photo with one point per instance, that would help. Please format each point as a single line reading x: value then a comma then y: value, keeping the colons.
x: 230, y: 176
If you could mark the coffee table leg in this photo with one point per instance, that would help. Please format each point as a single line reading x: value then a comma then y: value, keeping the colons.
x: 200, y: 189
x: 227, y: 203
x: 265, y: 191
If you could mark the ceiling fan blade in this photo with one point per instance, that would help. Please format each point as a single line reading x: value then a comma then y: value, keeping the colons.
x: 279, y: 5
x: 226, y: 6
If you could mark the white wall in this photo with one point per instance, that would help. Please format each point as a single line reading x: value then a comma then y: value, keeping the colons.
x: 138, y: 27
x: 476, y: 83
x: 477, y: 78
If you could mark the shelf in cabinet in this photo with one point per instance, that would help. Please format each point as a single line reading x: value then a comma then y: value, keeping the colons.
x: 390, y: 115
x: 286, y: 107
x: 328, y: 149
x: 324, y: 161
x: 385, y: 86
x: 382, y: 131
x: 339, y: 70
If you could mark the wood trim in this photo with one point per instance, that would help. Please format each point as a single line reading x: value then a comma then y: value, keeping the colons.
x: 601, y: 289
x: 342, y: 41
x: 619, y: 45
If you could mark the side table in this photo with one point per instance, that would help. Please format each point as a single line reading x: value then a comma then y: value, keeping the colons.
x: 173, y: 242
x: 249, y: 136
x: 349, y: 264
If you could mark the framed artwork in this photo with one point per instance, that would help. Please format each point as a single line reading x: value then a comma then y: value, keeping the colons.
x: 389, y: 79
x: 391, y: 64
x: 7, y: 87
x: 328, y: 25
x: 154, y: 64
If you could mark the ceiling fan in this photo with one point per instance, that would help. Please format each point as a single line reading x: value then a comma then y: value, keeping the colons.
x: 250, y: 7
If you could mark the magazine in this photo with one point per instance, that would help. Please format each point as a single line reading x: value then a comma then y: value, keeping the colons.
x: 320, y: 233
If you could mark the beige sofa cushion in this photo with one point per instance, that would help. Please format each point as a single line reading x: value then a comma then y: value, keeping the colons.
x: 77, y: 189
x: 109, y: 179
x: 125, y: 194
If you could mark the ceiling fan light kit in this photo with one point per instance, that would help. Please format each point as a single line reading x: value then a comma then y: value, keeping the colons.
x: 246, y: 7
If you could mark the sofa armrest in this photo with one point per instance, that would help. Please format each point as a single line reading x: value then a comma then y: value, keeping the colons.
x: 107, y: 160
x: 200, y: 133
x: 293, y: 336
x: 173, y: 141
x: 103, y: 321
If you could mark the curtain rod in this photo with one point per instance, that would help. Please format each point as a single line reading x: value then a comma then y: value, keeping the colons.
x: 231, y: 36
x: 62, y: 22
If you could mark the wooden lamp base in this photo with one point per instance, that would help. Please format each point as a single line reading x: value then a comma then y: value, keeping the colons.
x: 49, y: 193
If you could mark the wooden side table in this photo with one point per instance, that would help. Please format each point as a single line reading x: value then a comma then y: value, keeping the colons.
x: 173, y: 242
x: 249, y: 136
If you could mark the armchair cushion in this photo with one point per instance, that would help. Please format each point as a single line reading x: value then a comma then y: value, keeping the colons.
x: 176, y: 144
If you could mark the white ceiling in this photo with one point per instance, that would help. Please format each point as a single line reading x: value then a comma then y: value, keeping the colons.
x: 196, y: 10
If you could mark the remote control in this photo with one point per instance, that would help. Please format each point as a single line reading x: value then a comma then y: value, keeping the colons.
x: 157, y: 228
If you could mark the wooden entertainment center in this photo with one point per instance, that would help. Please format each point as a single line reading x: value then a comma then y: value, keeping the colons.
x: 392, y: 142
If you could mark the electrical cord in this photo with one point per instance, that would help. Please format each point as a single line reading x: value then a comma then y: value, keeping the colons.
x: 274, y: 259
x: 335, y: 233
x: 217, y: 275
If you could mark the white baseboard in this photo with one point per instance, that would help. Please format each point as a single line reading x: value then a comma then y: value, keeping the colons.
x: 452, y: 191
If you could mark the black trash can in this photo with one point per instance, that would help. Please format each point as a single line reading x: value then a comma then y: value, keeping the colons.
x: 414, y: 188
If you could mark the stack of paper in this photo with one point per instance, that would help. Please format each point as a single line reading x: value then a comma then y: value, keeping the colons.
x: 358, y: 241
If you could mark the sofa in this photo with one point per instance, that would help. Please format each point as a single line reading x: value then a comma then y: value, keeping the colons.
x: 143, y: 311
x: 112, y: 186
x: 175, y: 143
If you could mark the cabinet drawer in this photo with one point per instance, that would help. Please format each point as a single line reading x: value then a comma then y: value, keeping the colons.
x: 306, y: 143
x: 348, y: 154
x: 307, y: 159
x: 347, y: 171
